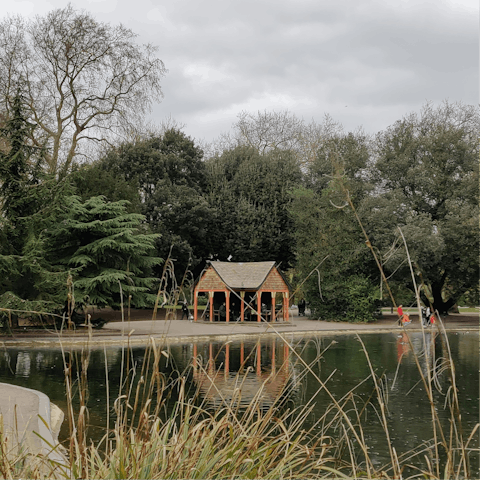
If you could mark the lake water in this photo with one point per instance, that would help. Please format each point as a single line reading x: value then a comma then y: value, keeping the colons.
x: 272, y: 369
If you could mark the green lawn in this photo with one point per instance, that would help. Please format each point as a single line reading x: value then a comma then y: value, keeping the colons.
x: 414, y: 309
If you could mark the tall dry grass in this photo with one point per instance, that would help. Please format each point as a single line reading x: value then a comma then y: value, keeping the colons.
x: 148, y: 438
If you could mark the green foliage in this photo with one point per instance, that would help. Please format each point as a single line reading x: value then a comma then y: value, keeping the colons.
x: 345, y: 156
x: 351, y: 298
x: 31, y: 201
x: 45, y: 232
x: 19, y: 174
x: 330, y: 241
x: 163, y: 177
x: 92, y: 180
x: 107, y: 252
x: 37, y: 310
x: 426, y: 173
x: 157, y: 161
x: 421, y: 174
x: 251, y: 193
x: 328, y: 236
x: 471, y: 297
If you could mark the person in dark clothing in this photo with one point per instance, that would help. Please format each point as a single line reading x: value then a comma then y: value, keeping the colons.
x: 222, y: 312
x: 185, y: 311
x: 424, y: 316
x: 301, y: 308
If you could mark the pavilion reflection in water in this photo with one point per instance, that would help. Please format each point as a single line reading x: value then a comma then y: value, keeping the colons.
x: 239, y: 373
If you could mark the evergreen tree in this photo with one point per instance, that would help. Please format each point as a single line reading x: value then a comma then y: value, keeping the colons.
x: 251, y: 193
x: 107, y: 252
x: 46, y: 234
x: 18, y: 173
x: 164, y: 177
x: 30, y: 201
x: 94, y: 179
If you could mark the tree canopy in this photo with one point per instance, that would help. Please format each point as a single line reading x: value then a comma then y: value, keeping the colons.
x: 306, y: 199
x: 252, y: 192
x: 47, y: 235
x: 331, y: 252
x: 164, y: 177
x: 426, y: 177
x: 106, y: 251
x: 419, y: 175
x: 30, y: 200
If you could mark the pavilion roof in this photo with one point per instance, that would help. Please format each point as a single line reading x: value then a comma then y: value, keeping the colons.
x: 243, y: 275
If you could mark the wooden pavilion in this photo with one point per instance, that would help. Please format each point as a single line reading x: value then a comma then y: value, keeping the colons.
x: 248, y: 291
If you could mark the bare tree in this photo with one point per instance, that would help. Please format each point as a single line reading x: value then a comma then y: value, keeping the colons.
x: 314, y: 136
x: 81, y: 79
x: 270, y: 130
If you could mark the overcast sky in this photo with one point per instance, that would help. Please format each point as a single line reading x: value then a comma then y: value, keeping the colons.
x: 365, y: 62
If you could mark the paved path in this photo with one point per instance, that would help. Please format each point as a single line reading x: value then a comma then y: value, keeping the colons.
x: 138, y: 331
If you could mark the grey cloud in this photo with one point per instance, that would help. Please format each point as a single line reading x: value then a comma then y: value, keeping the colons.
x: 382, y: 58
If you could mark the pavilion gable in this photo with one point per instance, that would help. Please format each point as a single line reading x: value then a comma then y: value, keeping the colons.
x: 210, y: 281
x: 274, y: 282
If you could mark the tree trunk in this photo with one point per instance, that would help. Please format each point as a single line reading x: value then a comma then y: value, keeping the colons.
x: 438, y: 303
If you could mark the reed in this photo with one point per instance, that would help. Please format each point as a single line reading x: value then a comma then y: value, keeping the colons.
x: 150, y: 438
x: 195, y: 441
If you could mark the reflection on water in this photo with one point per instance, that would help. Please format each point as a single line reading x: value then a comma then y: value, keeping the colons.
x: 23, y: 364
x: 240, y: 371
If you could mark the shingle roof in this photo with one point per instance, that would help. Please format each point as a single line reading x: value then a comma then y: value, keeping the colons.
x: 247, y: 275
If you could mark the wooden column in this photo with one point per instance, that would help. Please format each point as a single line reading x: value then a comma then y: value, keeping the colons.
x: 285, y: 306
x: 195, y: 356
x: 273, y: 306
x: 259, y: 306
x: 210, y: 299
x: 227, y: 305
x: 195, y: 305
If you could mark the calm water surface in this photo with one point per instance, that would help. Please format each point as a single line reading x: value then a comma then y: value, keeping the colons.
x: 342, y: 365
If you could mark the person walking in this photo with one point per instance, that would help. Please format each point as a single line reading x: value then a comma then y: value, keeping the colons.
x: 404, y: 318
x: 424, y: 316
x: 428, y: 314
x: 400, y: 315
x: 185, y: 311
x: 301, y: 307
